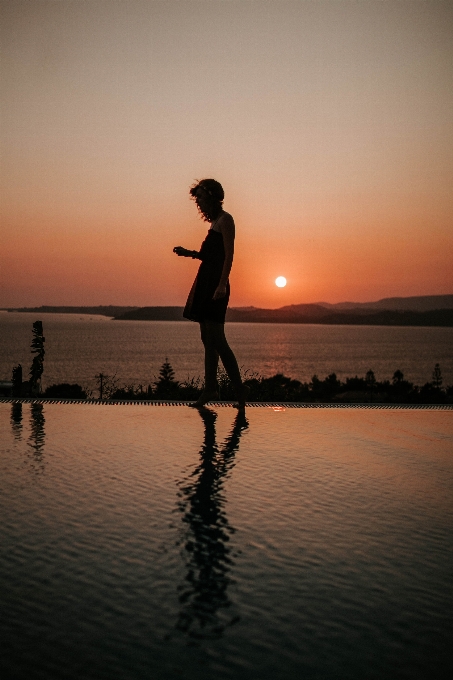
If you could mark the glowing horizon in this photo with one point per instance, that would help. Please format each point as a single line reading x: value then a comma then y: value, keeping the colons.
x: 325, y: 122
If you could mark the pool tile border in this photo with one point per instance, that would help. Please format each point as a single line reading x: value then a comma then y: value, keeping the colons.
x: 252, y: 404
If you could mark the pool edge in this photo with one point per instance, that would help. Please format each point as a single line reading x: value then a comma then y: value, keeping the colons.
x: 253, y: 404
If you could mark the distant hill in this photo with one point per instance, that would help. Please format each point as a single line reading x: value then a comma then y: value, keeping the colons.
x: 153, y: 314
x: 428, y: 310
x: 102, y: 310
x: 306, y: 314
x: 289, y: 314
x: 439, y: 317
x: 421, y: 303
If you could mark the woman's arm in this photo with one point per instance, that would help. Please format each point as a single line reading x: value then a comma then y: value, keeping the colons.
x: 228, y: 231
x: 183, y: 252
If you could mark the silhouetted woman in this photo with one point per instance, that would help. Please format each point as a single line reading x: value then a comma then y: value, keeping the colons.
x: 208, y: 298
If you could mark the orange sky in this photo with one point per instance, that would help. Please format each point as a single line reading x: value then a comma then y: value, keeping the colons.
x: 328, y: 123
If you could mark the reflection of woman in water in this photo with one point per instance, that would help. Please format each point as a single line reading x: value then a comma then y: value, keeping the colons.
x: 36, y: 439
x: 16, y: 419
x: 208, y: 298
x: 203, y: 596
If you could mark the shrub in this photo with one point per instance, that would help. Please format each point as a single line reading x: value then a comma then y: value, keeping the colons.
x: 127, y: 392
x: 190, y: 389
x: 66, y: 391
x: 106, y: 384
x: 324, y: 389
x: 277, y: 388
x: 282, y: 388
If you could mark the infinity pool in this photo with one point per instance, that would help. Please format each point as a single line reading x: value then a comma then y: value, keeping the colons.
x: 154, y: 542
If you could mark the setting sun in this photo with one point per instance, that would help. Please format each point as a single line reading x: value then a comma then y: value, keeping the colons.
x: 280, y: 281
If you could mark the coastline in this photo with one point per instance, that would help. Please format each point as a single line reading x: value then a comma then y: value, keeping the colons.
x: 296, y: 314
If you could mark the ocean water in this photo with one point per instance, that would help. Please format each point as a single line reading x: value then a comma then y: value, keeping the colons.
x: 146, y: 542
x: 79, y: 347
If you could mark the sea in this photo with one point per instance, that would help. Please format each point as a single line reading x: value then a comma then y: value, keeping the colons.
x: 78, y: 347
x: 144, y: 542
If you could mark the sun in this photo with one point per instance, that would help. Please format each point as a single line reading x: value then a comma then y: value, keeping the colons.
x: 280, y: 281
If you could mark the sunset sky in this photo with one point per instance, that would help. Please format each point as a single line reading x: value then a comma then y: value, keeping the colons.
x: 329, y: 124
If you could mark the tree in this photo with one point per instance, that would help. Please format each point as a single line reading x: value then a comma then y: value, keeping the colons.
x: 106, y: 384
x: 17, y: 380
x: 401, y: 389
x: 398, y: 377
x: 370, y: 379
x: 166, y: 385
x: 37, y: 366
x: 437, y: 377
x: 166, y: 373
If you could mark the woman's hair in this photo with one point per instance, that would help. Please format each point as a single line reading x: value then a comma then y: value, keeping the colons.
x: 214, y: 198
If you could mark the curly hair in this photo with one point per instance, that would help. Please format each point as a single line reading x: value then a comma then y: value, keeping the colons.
x: 214, y: 198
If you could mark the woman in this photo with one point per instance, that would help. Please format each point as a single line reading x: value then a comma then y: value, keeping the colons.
x: 208, y: 298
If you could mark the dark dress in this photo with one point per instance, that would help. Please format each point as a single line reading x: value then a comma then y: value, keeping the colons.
x: 200, y: 306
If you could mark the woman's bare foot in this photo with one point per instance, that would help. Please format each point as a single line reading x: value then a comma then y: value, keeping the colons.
x: 245, y: 391
x: 205, y: 396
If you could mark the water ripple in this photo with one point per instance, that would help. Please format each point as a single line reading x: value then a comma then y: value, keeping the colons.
x: 132, y: 540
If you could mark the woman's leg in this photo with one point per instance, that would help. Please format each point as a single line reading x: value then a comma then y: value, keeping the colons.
x: 215, y: 345
x: 211, y: 359
x: 216, y: 334
x: 211, y: 362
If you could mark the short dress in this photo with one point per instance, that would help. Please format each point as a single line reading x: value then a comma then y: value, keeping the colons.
x: 200, y: 306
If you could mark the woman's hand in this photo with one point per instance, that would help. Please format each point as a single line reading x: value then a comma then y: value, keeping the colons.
x: 220, y: 291
x: 182, y: 252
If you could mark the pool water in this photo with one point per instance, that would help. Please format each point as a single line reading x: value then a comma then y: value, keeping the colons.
x: 155, y: 542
